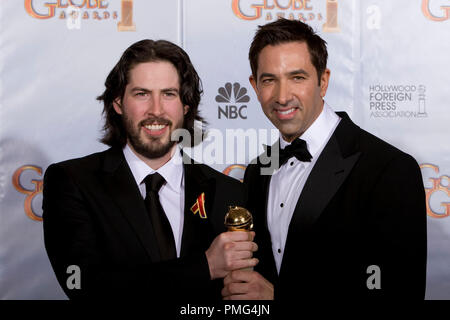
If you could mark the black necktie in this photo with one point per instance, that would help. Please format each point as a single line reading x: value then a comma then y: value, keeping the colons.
x: 296, y: 149
x: 161, y: 225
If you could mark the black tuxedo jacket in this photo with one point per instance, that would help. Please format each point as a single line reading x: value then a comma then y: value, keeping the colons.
x: 94, y: 217
x: 363, y: 205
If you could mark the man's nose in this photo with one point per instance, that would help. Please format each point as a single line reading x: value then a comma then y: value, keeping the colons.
x: 155, y: 106
x: 283, y: 93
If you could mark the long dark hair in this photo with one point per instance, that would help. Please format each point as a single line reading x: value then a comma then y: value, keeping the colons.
x: 117, y: 80
x: 283, y: 31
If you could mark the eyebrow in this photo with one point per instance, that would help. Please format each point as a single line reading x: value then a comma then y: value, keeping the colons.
x: 266, y: 75
x: 291, y: 73
x: 139, y: 89
x: 170, y: 89
x: 147, y: 90
x: 299, y: 71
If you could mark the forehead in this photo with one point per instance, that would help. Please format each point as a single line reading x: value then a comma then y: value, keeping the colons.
x: 154, y: 74
x: 289, y: 54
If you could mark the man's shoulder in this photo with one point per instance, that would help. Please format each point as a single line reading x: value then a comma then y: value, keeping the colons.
x: 212, y: 173
x: 82, y: 172
x: 226, y: 189
x: 381, y: 149
x: 373, y: 148
x: 88, y: 163
x: 378, y: 157
x: 206, y: 171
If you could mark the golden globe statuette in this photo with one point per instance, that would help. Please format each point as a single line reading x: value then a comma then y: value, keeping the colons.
x: 126, y: 23
x: 239, y: 219
x: 331, y: 25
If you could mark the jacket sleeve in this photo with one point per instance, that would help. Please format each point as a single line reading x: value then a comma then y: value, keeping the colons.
x: 398, y: 224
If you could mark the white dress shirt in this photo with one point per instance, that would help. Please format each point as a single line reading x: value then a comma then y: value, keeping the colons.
x: 171, y: 194
x: 288, y: 181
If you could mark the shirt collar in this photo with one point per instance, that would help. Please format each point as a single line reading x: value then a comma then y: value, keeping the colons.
x: 172, y: 171
x: 319, y: 131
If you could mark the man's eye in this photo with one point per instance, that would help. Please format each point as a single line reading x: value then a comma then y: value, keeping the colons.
x: 141, y: 94
x: 298, y: 78
x: 267, y: 81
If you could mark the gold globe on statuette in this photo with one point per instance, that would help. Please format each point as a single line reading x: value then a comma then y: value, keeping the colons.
x: 238, y: 219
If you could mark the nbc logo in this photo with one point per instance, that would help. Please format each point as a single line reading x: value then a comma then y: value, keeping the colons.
x: 231, y: 97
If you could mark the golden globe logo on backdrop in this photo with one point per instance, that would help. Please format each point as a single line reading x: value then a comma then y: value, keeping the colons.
x: 235, y: 171
x: 302, y: 10
x: 438, y: 193
x: 442, y: 14
x: 30, y: 193
x: 74, y: 11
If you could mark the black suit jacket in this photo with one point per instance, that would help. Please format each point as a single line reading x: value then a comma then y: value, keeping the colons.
x: 94, y: 217
x: 362, y: 205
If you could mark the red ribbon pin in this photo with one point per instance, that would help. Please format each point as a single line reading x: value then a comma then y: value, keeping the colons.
x: 199, y: 206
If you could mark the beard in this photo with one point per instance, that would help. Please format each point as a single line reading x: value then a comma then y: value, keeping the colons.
x: 154, y: 147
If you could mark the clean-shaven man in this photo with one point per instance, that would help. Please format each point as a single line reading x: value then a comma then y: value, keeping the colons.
x: 344, y: 215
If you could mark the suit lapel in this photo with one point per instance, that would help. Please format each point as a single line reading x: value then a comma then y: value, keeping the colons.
x: 328, y: 174
x: 120, y: 184
x: 264, y: 191
x: 330, y: 171
x: 263, y: 238
x: 264, y: 180
x: 196, y: 230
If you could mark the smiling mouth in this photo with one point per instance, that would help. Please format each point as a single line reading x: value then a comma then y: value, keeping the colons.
x: 285, y: 114
x: 155, y: 127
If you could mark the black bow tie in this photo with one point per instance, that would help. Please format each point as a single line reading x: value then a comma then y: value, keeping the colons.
x: 296, y: 149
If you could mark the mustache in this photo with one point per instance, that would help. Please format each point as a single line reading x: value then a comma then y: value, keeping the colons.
x: 154, y: 120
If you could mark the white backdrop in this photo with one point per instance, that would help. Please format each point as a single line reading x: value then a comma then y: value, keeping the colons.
x: 389, y: 71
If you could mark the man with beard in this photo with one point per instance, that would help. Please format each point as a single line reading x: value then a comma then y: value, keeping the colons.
x: 140, y: 220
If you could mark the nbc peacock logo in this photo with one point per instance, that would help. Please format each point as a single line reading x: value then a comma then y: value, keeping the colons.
x: 232, y: 99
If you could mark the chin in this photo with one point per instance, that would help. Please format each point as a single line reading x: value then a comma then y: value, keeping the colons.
x: 156, y: 152
x: 287, y: 132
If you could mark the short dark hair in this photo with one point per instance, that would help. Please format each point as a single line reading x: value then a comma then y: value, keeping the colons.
x: 283, y: 31
x: 117, y: 80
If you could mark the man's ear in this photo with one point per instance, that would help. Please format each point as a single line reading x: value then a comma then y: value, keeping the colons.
x: 186, y: 109
x: 253, y: 83
x: 117, y: 105
x: 324, y: 80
